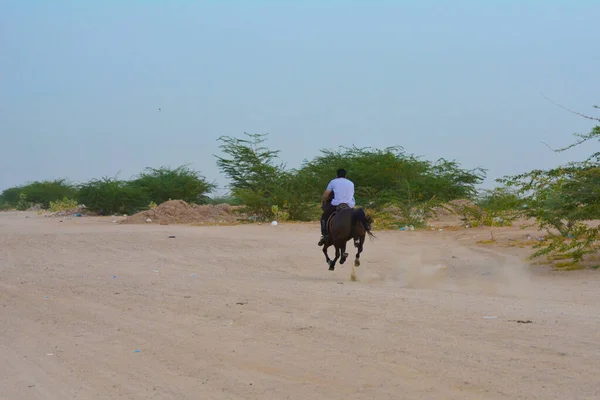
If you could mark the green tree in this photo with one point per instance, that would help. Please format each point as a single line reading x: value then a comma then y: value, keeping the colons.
x: 562, y: 200
x: 255, y: 177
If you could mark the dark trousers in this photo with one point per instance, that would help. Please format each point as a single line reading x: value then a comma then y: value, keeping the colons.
x: 328, y: 209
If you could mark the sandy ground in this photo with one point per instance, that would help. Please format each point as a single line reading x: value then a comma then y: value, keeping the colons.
x: 96, y: 310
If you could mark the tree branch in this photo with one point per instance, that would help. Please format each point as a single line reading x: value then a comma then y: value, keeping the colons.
x: 571, y: 111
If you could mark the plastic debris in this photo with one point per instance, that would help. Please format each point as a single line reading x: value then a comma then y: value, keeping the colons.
x: 274, y: 223
x: 148, y: 220
x: 136, y: 351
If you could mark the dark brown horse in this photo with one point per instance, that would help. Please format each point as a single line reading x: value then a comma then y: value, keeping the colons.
x: 344, y: 224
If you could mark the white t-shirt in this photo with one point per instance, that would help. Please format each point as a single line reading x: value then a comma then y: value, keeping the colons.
x: 343, y: 190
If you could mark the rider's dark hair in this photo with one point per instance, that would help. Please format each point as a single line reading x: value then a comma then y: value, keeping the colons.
x: 341, y: 173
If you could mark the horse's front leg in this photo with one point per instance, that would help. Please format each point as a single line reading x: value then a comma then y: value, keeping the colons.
x: 325, y: 247
x: 332, y: 262
x: 358, y: 243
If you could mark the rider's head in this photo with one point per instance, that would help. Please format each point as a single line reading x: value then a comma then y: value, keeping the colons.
x: 341, y: 173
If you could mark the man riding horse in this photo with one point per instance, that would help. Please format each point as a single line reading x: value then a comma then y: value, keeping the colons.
x: 343, y: 194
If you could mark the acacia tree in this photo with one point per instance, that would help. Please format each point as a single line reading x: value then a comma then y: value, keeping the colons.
x: 563, y: 199
x: 255, y: 177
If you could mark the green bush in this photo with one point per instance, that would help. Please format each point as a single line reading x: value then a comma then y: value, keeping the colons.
x: 182, y: 183
x: 109, y: 196
x: 498, y: 207
x: 11, y: 196
x: 153, y: 186
x: 382, y: 178
x: 392, y: 177
x: 65, y: 204
x: 38, y: 192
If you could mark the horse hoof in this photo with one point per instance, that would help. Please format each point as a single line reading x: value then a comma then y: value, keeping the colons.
x: 357, y: 263
x: 331, y: 268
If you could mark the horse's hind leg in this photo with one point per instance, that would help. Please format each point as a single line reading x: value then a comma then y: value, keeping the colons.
x: 344, y: 254
x: 358, y: 243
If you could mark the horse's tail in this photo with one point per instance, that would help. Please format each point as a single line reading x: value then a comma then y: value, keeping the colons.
x: 366, y: 220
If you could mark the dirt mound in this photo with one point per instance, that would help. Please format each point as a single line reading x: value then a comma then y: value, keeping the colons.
x: 180, y: 212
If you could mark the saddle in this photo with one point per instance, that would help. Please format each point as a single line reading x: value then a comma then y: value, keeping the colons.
x: 341, y: 207
x: 338, y: 208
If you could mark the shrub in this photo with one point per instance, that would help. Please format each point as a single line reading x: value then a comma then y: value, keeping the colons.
x: 182, y: 183
x: 382, y: 178
x: 392, y: 177
x: 108, y: 196
x: 11, y: 196
x: 23, y: 204
x: 496, y: 208
x: 38, y: 192
x: 65, y: 204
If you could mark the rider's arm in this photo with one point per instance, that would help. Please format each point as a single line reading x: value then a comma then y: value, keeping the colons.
x: 328, y: 191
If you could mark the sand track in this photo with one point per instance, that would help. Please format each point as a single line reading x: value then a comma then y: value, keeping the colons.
x: 251, y: 312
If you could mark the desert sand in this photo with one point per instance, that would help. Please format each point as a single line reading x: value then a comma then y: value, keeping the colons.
x: 93, y: 309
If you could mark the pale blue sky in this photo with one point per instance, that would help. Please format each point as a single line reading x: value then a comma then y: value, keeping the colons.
x: 81, y: 82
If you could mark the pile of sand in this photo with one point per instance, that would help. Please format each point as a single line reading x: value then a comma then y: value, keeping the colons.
x: 180, y: 212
